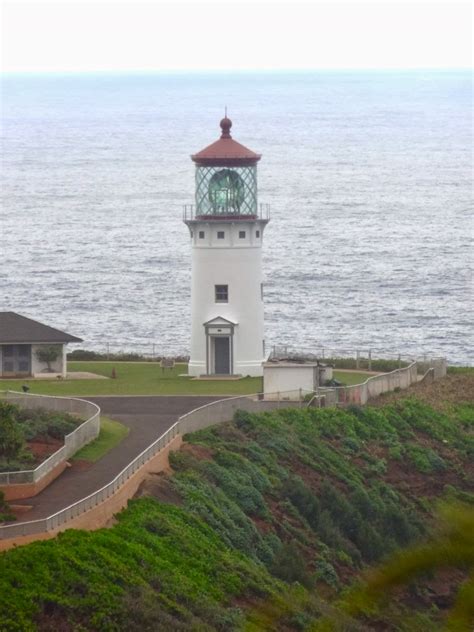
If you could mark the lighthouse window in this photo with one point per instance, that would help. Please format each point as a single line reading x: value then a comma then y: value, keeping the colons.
x: 257, y: 234
x: 220, y: 234
x: 222, y: 293
x: 201, y: 234
x: 241, y: 234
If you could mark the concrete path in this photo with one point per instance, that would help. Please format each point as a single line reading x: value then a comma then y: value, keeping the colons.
x: 147, y: 417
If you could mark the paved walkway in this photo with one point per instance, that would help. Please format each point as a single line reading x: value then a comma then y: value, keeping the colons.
x: 147, y: 417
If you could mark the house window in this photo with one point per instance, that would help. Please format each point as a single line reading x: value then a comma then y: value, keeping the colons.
x: 257, y: 234
x: 241, y: 234
x: 222, y: 293
x: 220, y: 234
x: 201, y: 234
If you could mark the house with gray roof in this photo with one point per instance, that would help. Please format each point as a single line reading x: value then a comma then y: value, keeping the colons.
x: 30, y: 349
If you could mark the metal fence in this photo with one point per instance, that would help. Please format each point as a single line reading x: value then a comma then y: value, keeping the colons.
x: 75, y: 440
x: 376, y: 385
x: 354, y: 358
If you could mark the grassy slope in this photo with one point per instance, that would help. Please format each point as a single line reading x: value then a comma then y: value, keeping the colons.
x: 312, y: 496
x: 147, y: 378
x: 112, y: 432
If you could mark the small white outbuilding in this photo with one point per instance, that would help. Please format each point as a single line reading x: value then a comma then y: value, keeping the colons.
x: 286, y: 380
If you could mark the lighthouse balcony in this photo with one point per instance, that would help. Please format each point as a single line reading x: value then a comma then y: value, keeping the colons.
x: 192, y: 214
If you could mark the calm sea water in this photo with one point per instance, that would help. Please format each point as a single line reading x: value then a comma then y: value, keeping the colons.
x: 368, y: 176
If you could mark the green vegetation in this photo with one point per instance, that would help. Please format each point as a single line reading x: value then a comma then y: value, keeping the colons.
x: 5, y: 511
x: 160, y: 568
x: 123, y: 356
x: 136, y: 378
x: 111, y: 434
x: 382, y: 365
x: 19, y: 426
x: 147, y: 378
x: 348, y: 378
x: 47, y: 355
x: 463, y: 370
x: 263, y: 525
x: 450, y: 547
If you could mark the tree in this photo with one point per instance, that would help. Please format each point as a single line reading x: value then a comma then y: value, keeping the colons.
x: 48, y: 355
x: 12, y: 439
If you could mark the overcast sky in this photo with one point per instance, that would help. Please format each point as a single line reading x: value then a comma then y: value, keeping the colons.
x: 70, y: 36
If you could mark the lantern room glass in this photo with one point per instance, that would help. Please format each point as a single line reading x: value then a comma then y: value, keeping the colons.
x: 229, y: 192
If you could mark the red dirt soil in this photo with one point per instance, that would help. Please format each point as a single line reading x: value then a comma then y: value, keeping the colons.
x: 41, y: 450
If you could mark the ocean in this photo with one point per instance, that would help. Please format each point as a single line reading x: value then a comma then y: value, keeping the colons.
x: 368, y: 175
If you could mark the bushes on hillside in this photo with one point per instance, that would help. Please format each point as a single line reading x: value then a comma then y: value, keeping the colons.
x: 296, y: 496
x: 19, y: 425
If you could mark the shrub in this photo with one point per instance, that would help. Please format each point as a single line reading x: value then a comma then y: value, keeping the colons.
x: 5, y: 511
x: 303, y: 499
x: 425, y: 459
x: 290, y: 566
x: 351, y: 444
x: 12, y: 438
x: 396, y: 452
x: 244, y: 420
x: 326, y: 572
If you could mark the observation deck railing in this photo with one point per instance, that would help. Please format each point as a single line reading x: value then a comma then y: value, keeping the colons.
x: 190, y: 214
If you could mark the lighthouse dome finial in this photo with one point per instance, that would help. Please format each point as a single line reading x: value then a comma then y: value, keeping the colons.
x: 226, y: 124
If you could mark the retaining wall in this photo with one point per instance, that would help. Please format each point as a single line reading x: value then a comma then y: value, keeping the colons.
x: 222, y: 411
x: 360, y: 394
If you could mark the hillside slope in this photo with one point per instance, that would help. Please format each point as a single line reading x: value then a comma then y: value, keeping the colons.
x: 261, y: 524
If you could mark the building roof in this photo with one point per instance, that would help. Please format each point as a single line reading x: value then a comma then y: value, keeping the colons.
x: 18, y: 329
x: 226, y: 151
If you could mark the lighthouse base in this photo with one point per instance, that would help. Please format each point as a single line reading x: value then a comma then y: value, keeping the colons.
x: 250, y: 368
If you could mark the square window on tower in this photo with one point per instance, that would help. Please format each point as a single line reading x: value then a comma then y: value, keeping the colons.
x: 222, y: 293
x: 257, y: 234
x: 201, y: 234
x: 241, y: 234
x: 220, y: 234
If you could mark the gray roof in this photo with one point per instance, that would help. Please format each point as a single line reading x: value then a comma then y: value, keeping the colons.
x: 15, y: 328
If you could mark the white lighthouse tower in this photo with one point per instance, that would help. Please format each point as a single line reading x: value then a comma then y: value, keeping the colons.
x: 226, y: 227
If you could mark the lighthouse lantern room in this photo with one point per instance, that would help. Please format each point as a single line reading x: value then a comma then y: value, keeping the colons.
x: 226, y: 225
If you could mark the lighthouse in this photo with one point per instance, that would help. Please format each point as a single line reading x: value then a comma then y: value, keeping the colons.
x: 226, y: 226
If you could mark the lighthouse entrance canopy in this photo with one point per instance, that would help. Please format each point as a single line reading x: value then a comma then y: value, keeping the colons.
x: 226, y: 192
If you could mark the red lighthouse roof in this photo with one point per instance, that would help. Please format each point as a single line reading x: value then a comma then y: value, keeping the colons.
x: 226, y: 151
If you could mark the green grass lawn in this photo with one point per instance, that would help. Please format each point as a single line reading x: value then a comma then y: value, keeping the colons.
x: 147, y: 378
x: 350, y: 378
x: 111, y: 434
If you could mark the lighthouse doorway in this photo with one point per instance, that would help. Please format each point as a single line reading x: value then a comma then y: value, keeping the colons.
x: 221, y: 355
